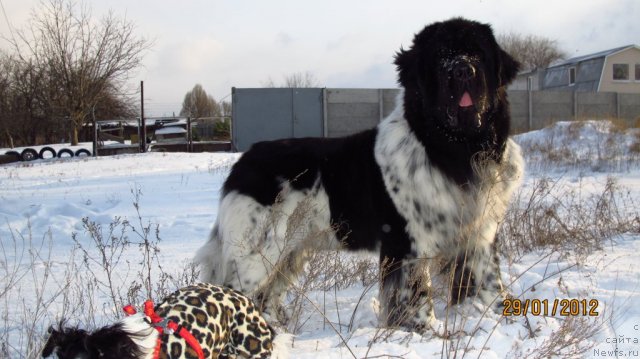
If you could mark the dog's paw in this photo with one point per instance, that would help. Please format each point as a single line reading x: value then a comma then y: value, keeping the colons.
x: 494, y: 300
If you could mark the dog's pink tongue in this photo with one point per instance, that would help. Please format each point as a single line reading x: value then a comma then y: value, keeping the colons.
x: 466, y: 100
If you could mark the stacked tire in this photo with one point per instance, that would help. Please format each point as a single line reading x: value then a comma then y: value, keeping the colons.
x: 30, y: 154
x: 82, y: 152
x: 9, y: 157
x: 65, y: 153
x: 44, y: 151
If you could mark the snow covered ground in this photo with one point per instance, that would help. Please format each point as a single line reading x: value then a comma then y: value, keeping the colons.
x: 175, y: 197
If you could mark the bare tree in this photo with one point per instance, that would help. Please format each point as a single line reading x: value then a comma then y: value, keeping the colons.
x: 85, y: 59
x: 20, y: 105
x: 30, y: 99
x: 197, y: 103
x: 113, y: 104
x: 295, y: 80
x: 533, y: 52
x: 226, y: 108
x: 6, y: 69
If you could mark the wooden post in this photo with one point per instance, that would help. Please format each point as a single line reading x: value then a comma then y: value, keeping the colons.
x: 143, y: 127
x: 530, y: 108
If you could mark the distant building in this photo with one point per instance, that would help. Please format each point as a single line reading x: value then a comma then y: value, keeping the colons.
x: 528, y: 80
x: 614, y: 70
x: 171, y: 134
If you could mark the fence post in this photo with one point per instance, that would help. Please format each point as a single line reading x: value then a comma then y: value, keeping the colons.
x: 143, y: 125
x: 325, y: 124
x: 95, y: 132
x: 380, y: 105
x: 575, y: 105
x: 189, y: 138
x: 530, y: 108
x: 232, y: 133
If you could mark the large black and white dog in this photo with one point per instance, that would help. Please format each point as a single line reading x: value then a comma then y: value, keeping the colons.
x: 431, y: 182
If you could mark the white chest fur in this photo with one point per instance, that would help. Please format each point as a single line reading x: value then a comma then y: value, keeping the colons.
x: 441, y: 216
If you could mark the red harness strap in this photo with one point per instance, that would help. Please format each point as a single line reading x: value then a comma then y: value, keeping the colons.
x: 164, y: 324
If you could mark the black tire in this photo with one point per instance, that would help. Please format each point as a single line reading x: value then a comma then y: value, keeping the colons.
x: 65, y: 151
x: 29, y: 154
x: 45, y: 150
x: 10, y: 157
x: 15, y: 154
x: 83, y: 151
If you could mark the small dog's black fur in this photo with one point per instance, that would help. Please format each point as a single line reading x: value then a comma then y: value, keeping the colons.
x: 110, y: 342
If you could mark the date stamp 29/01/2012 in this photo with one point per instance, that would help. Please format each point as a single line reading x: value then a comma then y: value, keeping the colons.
x: 546, y: 307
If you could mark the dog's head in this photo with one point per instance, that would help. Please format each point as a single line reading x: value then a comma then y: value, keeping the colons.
x: 106, y: 343
x: 454, y: 77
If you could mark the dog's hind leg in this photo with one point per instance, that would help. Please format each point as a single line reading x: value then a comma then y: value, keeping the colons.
x: 303, y: 238
x: 233, y: 255
x: 270, y: 294
x: 208, y: 257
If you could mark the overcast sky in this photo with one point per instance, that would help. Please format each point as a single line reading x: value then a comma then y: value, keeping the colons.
x: 242, y: 43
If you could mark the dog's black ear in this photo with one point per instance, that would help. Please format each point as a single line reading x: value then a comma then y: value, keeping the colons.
x: 52, y: 342
x: 405, y: 63
x: 508, y: 69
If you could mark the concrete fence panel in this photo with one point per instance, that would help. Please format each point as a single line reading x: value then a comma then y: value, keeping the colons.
x: 629, y: 108
x: 536, y: 109
x: 352, y: 110
x: 264, y: 114
x: 596, y: 105
x: 518, y: 101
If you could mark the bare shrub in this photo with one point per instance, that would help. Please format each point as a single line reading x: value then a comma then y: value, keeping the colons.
x: 552, y: 217
x: 31, y: 288
x: 561, y: 221
x: 103, y: 257
x: 570, y: 340
x: 606, y: 145
x: 634, y: 148
x: 109, y: 266
x: 329, y: 271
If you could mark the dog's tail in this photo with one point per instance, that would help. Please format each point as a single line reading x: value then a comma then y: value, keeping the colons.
x: 209, y: 259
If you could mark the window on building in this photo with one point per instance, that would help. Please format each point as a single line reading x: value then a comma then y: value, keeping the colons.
x: 621, y: 71
x: 637, y: 72
x: 572, y: 76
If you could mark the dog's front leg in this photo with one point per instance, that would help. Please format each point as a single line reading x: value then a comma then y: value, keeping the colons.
x: 405, y: 294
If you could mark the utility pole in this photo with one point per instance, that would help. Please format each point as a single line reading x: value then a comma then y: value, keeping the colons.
x: 143, y: 127
x: 95, y: 132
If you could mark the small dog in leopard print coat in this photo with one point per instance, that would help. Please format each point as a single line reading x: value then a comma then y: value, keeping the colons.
x: 199, y: 321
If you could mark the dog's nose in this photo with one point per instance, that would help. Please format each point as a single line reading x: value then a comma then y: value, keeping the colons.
x: 464, y: 71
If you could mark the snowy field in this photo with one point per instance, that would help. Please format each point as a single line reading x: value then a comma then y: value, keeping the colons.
x: 83, y: 236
